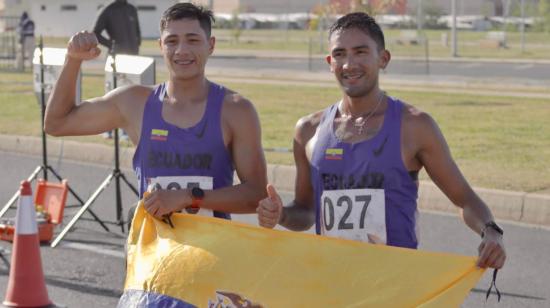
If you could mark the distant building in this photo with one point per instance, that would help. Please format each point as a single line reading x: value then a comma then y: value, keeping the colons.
x: 14, y: 7
x: 471, y: 7
x: 464, y: 7
x: 62, y: 18
x: 264, y: 6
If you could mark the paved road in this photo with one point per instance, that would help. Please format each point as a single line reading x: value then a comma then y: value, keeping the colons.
x: 88, y: 269
x: 521, y: 73
x: 398, y: 67
x: 403, y: 67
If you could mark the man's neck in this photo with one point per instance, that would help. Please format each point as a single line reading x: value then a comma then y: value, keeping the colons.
x: 357, y: 106
x: 187, y: 91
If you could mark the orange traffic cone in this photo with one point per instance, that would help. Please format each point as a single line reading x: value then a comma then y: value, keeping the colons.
x: 26, y: 285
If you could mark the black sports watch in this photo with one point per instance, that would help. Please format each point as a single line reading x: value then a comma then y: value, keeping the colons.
x: 197, y: 194
x: 493, y: 225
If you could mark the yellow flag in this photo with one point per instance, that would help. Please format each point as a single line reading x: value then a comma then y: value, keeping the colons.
x: 210, y: 262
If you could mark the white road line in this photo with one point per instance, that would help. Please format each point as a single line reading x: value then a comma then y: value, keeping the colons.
x: 470, y: 65
x: 93, y: 248
x: 524, y: 66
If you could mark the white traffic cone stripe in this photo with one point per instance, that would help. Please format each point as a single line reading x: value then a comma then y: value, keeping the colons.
x: 26, y: 216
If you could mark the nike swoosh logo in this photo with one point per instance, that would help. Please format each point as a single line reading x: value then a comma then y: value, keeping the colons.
x: 201, y: 133
x: 379, y: 151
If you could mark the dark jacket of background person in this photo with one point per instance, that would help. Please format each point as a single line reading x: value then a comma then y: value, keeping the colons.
x: 120, y: 20
x: 26, y: 27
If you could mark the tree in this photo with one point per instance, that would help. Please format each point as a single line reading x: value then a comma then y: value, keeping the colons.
x: 236, y: 25
x: 371, y: 7
x: 387, y: 6
x: 432, y: 12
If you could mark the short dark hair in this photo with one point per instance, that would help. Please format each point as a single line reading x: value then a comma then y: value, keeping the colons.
x: 190, y: 11
x: 361, y: 21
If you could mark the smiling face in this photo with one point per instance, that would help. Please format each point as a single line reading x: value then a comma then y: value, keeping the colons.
x: 355, y: 60
x: 185, y: 48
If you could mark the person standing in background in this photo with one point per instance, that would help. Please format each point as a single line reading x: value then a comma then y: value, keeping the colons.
x: 120, y: 20
x: 26, y: 40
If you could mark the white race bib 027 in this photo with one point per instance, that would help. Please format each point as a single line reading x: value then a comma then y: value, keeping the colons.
x: 184, y: 182
x: 354, y: 214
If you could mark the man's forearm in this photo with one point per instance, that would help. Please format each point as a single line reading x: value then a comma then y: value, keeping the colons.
x: 62, y: 98
x: 476, y: 214
x: 296, y: 217
x: 239, y: 199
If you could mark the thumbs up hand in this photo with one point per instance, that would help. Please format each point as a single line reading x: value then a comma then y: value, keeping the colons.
x: 270, y: 209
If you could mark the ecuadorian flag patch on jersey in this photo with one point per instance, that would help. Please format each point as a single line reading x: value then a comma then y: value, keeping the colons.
x: 159, y: 134
x: 334, y: 153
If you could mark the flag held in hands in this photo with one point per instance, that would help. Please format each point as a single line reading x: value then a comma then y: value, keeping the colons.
x: 210, y: 262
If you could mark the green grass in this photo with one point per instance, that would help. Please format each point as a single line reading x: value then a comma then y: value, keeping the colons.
x: 537, y: 44
x: 499, y: 142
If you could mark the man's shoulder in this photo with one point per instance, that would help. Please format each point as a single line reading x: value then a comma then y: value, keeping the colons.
x: 417, y: 124
x: 239, y: 115
x: 307, y: 125
x: 107, y: 8
x: 310, y: 121
x: 413, y: 115
x: 234, y: 101
x: 139, y: 89
x: 133, y: 94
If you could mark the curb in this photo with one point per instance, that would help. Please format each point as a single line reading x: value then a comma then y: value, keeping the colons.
x: 530, y: 208
x: 256, y: 54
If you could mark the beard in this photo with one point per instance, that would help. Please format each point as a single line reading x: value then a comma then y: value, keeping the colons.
x: 356, y: 91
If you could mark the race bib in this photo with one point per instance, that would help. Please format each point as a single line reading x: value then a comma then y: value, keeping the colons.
x: 354, y: 214
x: 183, y: 182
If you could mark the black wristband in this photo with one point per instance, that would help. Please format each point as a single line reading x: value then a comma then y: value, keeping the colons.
x: 494, y: 226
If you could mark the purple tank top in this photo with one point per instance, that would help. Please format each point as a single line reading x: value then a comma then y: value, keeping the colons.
x: 198, y: 152
x: 355, y: 183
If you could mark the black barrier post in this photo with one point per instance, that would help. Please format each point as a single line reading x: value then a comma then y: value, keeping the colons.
x: 43, y: 110
x: 45, y: 167
x: 116, y: 174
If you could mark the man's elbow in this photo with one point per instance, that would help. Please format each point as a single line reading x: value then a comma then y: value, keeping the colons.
x: 52, y: 128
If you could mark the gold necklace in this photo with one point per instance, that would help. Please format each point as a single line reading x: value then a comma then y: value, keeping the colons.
x: 361, y: 124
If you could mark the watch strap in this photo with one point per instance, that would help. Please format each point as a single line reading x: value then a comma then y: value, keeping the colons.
x: 492, y: 225
x: 197, y: 195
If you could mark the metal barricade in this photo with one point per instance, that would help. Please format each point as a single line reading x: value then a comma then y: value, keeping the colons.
x: 9, y: 41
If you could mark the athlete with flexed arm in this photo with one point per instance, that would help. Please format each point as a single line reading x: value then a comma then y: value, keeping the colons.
x: 358, y: 160
x: 187, y: 138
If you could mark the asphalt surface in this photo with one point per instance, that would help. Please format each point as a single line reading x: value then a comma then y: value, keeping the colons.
x: 87, y: 269
x: 471, y: 69
x: 517, y: 73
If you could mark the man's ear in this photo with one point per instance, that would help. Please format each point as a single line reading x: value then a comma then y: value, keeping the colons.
x: 328, y: 58
x: 212, y: 43
x: 384, y: 58
x: 160, y: 43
